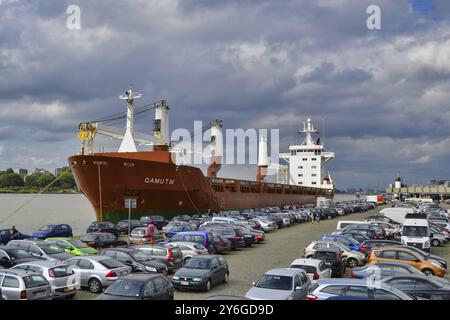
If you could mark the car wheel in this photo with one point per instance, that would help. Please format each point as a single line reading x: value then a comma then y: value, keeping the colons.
x: 427, y: 272
x: 435, y: 242
x: 225, y: 278
x: 186, y: 259
x: 95, y: 286
x: 352, y: 262
x: 208, y: 285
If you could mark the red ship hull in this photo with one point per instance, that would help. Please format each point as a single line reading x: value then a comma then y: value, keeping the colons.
x: 161, y: 187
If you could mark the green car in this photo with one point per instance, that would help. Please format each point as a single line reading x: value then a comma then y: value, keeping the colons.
x: 73, y: 246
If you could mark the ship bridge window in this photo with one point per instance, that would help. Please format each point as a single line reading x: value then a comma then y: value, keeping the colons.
x: 313, y: 159
x: 314, y: 175
x: 314, y: 167
x: 300, y: 182
x: 300, y: 167
x: 300, y: 174
x: 313, y: 182
x: 305, y: 159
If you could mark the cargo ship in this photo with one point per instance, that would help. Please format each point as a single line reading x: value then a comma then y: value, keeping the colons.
x: 150, y: 182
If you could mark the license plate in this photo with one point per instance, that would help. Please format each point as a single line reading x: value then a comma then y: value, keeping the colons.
x: 184, y: 283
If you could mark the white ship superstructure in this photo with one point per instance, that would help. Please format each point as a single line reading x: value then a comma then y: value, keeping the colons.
x: 307, y: 161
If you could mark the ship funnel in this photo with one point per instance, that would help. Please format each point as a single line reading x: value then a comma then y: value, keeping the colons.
x: 262, y: 159
x: 161, y: 123
x: 128, y: 144
x: 216, y: 148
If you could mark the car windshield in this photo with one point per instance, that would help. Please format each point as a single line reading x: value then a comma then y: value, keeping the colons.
x: 51, y: 249
x: 18, y: 254
x: 140, y: 256
x: 275, y: 282
x: 34, y: 281
x: 197, y: 264
x: 138, y: 232
x: 125, y: 288
x: 415, y: 231
x: 77, y: 243
x: 48, y: 227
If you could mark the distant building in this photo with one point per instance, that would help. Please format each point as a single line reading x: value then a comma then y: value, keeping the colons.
x: 38, y: 170
x: 23, y: 172
x: 58, y: 171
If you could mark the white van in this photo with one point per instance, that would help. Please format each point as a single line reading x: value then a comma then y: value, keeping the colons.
x: 416, y: 233
x: 396, y: 214
x: 344, y: 223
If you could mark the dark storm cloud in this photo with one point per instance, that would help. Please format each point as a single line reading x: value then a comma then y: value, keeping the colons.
x: 267, y: 64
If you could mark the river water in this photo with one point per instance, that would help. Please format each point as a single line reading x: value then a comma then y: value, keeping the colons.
x: 73, y: 209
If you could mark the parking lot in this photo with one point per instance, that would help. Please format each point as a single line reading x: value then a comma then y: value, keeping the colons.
x: 278, y: 250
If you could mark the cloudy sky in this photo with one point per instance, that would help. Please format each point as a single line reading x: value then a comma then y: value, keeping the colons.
x: 382, y: 95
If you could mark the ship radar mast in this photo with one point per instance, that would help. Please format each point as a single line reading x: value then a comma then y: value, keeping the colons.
x: 128, y: 144
x: 308, y: 130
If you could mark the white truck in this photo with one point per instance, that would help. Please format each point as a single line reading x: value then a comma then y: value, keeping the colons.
x: 396, y: 214
x: 378, y: 199
x: 323, y: 202
x: 416, y: 232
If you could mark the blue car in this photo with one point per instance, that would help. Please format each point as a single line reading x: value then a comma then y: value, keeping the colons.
x: 53, y: 230
x: 6, y: 234
x: 183, y: 228
x: 351, y: 243
x: 205, y: 238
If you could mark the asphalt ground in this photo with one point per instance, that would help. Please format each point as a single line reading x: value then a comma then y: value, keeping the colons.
x: 278, y: 250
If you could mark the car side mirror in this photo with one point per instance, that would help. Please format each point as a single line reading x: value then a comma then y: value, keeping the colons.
x: 253, y: 283
x: 431, y: 235
x: 298, y: 288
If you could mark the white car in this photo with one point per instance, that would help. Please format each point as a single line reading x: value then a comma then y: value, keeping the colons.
x: 189, y: 249
x: 266, y: 224
x: 315, y: 268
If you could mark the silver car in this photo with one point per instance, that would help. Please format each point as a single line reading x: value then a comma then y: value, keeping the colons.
x: 97, y: 272
x: 40, y: 248
x: 63, y: 282
x: 281, y: 284
x: 23, y: 285
x: 189, y: 249
x: 355, y: 289
x: 266, y: 224
x: 354, y: 258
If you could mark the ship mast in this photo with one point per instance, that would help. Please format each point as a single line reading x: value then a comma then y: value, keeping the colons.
x: 128, y: 144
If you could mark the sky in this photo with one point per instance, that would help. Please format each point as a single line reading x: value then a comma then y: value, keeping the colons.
x: 380, y: 97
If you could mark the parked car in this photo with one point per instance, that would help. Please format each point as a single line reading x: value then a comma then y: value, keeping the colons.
x: 189, y: 249
x: 99, y: 240
x: 11, y: 256
x: 357, y: 236
x: 221, y: 244
x: 205, y: 238
x: 366, y: 246
x: 348, y: 241
x: 266, y: 224
x: 353, y: 258
x: 23, y: 285
x: 181, y: 228
x: 371, y: 234
x: 425, y: 254
x: 201, y: 272
x: 235, y: 237
x: 41, y: 248
x: 420, y: 286
x: 158, y: 221
x: 142, y: 235
x: 138, y: 260
x: 97, y: 272
x: 73, y: 246
x: 123, y: 225
x: 281, y: 284
x: 327, y: 288
x: 172, y: 257
x: 332, y: 258
x: 104, y: 226
x: 63, y: 281
x: 53, y: 230
x: 142, y: 286
x: 405, y: 255
x: 6, y: 234
x: 316, y: 269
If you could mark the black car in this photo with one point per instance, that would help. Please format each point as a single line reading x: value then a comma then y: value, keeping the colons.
x: 142, y: 286
x: 138, y: 260
x: 99, y: 240
x: 276, y: 219
x: 333, y: 259
x: 237, y: 241
x: 242, y: 232
x: 201, y: 273
x: 371, y: 234
x: 158, y: 221
x: 123, y: 225
x: 366, y: 246
x: 420, y: 286
x: 10, y: 257
x: 103, y: 226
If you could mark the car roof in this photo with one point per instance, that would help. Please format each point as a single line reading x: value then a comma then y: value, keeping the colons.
x: 284, y: 271
x: 32, y: 241
x: 19, y: 272
x: 141, y: 276
x: 308, y: 262
x: 43, y: 263
x: 193, y: 232
x: 394, y: 248
x: 347, y: 281
x: 96, y: 257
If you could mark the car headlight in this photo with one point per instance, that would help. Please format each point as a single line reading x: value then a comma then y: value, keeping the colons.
x: 150, y: 269
x: 436, y: 264
x: 175, y: 278
x: 197, y: 279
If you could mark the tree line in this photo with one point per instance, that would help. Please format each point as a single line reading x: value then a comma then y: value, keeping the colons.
x: 38, y: 180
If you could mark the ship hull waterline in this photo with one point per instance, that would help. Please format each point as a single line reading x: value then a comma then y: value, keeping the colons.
x: 163, y: 188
